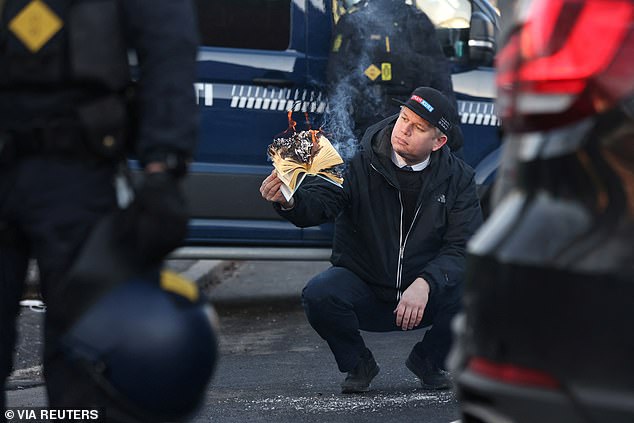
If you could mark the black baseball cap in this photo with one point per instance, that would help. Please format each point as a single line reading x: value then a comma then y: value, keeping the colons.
x: 433, y: 106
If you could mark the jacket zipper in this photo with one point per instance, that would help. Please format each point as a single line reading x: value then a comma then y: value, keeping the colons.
x: 401, y: 244
x: 401, y: 241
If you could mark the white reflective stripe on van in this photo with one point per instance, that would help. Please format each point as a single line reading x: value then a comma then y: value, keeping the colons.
x: 312, y: 101
x: 204, y: 93
x: 477, y: 113
x: 281, y: 99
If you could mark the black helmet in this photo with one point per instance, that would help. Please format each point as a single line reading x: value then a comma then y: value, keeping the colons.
x: 148, y: 340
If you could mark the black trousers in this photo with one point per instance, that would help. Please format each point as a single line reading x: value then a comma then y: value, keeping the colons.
x: 48, y: 207
x: 338, y: 304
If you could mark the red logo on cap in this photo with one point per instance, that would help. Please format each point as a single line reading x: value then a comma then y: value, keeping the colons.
x: 417, y: 98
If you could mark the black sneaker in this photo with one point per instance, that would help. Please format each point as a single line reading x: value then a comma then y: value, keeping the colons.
x: 358, y: 379
x: 430, y: 375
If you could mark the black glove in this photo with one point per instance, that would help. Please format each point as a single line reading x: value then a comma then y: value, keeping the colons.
x: 156, y: 221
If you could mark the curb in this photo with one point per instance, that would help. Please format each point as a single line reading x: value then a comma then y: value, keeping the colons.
x: 206, y: 273
x: 257, y: 304
x: 25, y: 378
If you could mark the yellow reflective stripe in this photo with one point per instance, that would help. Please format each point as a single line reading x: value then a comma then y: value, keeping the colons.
x: 387, y: 43
x: 176, y: 284
x: 336, y: 45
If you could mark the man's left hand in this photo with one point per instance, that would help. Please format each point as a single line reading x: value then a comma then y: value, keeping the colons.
x: 409, y: 311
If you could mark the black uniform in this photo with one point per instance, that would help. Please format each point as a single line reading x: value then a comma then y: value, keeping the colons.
x: 69, y: 113
x: 383, y: 49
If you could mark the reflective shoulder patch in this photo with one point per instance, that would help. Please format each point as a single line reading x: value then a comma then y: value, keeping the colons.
x: 176, y: 284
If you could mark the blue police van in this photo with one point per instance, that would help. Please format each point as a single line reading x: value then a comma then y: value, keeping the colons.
x: 261, y: 58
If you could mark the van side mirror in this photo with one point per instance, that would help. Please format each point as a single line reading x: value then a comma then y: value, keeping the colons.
x: 482, y: 45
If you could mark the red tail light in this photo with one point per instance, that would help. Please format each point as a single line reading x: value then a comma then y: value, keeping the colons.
x: 512, y: 374
x: 569, y: 59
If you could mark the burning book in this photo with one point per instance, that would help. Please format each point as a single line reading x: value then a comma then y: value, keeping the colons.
x: 304, y: 153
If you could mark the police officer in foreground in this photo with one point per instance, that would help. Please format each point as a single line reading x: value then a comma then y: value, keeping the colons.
x: 69, y: 114
x: 383, y: 49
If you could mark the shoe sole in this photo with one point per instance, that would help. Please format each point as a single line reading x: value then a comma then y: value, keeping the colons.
x: 361, y: 389
x: 441, y: 387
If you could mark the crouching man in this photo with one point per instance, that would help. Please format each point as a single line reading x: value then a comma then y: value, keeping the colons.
x: 402, y: 221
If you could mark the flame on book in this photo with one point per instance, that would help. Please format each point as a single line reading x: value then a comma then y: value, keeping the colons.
x: 305, y: 153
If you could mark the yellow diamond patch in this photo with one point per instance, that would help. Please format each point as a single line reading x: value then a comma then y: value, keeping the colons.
x: 372, y: 72
x: 35, y: 25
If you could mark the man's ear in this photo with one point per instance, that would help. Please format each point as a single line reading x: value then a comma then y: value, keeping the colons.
x: 439, y: 142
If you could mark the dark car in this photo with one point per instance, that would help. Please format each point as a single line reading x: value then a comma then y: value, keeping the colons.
x: 548, y: 330
x: 258, y: 60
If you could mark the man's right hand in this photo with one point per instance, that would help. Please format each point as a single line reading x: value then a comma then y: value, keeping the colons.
x: 271, y: 191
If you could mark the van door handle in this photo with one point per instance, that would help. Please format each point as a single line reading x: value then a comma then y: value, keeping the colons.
x: 274, y: 82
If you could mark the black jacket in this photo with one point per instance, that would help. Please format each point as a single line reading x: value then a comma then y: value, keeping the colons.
x: 369, y: 238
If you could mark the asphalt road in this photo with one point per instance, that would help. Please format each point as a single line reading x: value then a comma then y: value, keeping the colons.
x: 274, y: 368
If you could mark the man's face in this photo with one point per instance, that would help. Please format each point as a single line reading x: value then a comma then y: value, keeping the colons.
x: 413, y: 138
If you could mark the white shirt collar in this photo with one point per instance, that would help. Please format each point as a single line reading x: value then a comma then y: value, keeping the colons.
x: 399, y: 162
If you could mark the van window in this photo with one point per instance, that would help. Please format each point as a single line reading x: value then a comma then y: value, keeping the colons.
x: 252, y: 24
